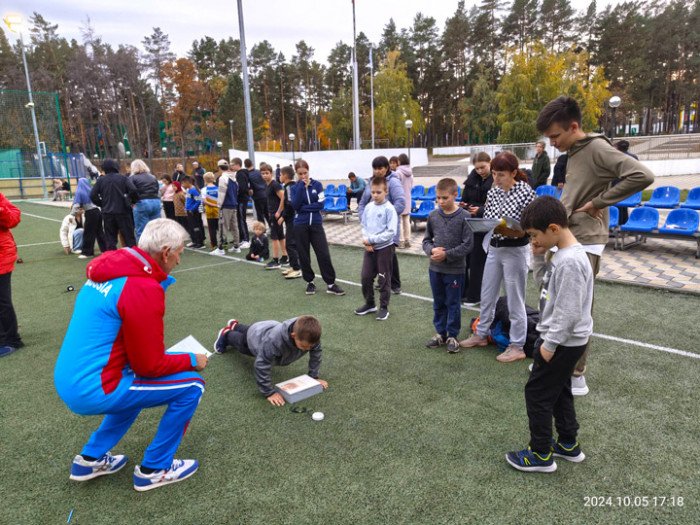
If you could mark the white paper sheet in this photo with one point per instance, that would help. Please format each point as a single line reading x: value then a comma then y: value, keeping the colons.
x: 189, y: 345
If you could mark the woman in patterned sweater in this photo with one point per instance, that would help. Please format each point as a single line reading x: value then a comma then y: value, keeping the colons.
x: 506, y: 262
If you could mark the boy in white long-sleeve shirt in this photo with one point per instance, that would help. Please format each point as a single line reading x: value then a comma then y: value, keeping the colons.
x: 565, y: 327
x: 379, y: 226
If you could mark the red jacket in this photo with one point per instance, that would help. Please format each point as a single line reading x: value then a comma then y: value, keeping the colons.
x: 9, y: 218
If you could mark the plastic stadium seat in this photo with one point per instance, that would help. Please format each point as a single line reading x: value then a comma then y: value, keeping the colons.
x: 414, y: 205
x: 693, y: 199
x: 459, y: 193
x: 548, y: 190
x: 342, y: 190
x: 631, y: 201
x: 328, y: 203
x: 341, y: 204
x: 665, y: 197
x: 418, y: 192
x: 681, y: 222
x: 329, y: 191
x: 642, y: 219
x: 430, y: 194
x: 614, y: 219
x: 423, y: 211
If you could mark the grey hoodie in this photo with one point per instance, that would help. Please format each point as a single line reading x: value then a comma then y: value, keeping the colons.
x: 272, y: 345
x: 396, y: 196
x: 449, y: 231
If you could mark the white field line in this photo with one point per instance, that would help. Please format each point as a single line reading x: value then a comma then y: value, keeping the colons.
x: 37, y: 244
x: 231, y: 259
x: 40, y: 217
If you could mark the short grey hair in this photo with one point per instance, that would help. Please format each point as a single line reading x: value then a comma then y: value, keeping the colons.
x: 139, y: 166
x: 162, y: 233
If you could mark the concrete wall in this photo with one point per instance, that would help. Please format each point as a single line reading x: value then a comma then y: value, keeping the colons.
x: 335, y: 164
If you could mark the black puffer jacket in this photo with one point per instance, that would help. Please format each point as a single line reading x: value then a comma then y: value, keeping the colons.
x: 475, y: 191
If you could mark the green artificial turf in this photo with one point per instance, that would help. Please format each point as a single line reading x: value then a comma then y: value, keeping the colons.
x: 411, y: 435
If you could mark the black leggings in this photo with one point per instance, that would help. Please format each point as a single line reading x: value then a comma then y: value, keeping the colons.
x: 93, y: 230
x: 313, y: 235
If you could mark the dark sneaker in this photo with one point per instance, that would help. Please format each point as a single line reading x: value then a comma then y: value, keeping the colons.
x: 436, y: 342
x: 273, y: 265
x: 220, y: 342
x: 179, y: 470
x: 383, y: 314
x: 452, y: 345
x: 7, y: 350
x: 568, y: 451
x: 83, y: 470
x: 335, y: 290
x: 366, y: 309
x: 311, y: 289
x: 527, y: 460
x: 396, y: 291
x: 284, y: 261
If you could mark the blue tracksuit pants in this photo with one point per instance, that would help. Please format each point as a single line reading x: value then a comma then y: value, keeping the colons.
x: 181, y: 393
x: 447, y: 295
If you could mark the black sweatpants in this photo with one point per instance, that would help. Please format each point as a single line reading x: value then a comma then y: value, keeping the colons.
x: 114, y: 223
x: 395, y: 275
x: 93, y: 230
x: 291, y: 243
x: 474, y: 272
x: 261, y: 210
x: 9, y: 335
x: 196, y: 228
x: 238, y: 339
x: 377, y: 264
x: 169, y: 209
x: 242, y: 224
x: 548, y: 394
x: 213, y: 226
x: 313, y: 235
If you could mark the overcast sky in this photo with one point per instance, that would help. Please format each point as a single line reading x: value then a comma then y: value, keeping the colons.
x: 321, y: 23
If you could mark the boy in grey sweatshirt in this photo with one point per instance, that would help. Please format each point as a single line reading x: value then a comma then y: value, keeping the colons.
x: 379, y: 226
x: 448, y: 239
x: 565, y: 327
x: 272, y: 343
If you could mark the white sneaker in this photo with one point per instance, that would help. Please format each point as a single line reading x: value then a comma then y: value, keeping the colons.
x: 179, y: 470
x: 579, y: 386
x: 245, y: 245
x: 532, y: 365
x: 189, y: 245
x: 83, y: 470
x: 81, y: 256
x: 234, y: 249
x: 217, y: 251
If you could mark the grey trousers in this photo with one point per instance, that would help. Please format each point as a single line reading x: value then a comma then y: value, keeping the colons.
x: 228, y: 223
x: 508, y: 266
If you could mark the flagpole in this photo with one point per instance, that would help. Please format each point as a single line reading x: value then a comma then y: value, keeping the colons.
x: 355, y: 90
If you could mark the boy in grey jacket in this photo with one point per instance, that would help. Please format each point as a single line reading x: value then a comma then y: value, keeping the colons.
x: 565, y: 327
x: 448, y: 239
x: 272, y: 343
x: 379, y: 226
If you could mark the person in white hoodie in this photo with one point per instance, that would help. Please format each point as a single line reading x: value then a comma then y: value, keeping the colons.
x: 379, y: 224
x: 71, y: 232
x: 405, y: 174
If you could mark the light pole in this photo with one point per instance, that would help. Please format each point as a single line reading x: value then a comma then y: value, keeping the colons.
x: 291, y: 140
x: 371, y: 90
x: 14, y: 22
x: 230, y: 125
x: 246, y: 86
x: 409, y: 125
x: 165, y: 151
x: 614, y: 103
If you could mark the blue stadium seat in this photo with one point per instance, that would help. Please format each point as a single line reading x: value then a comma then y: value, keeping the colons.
x: 681, y: 222
x: 692, y: 201
x: 423, y: 211
x: 430, y: 194
x: 642, y: 219
x: 341, y: 204
x: 459, y: 193
x: 342, y: 190
x: 665, y: 197
x: 418, y: 192
x: 614, y: 218
x: 546, y: 189
x: 329, y: 191
x: 328, y: 203
x: 631, y: 201
x: 415, y: 204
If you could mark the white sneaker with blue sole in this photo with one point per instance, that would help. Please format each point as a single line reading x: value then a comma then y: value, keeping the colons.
x: 179, y: 470
x: 83, y: 470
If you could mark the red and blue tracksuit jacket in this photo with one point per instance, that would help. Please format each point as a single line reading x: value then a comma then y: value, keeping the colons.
x: 115, y: 337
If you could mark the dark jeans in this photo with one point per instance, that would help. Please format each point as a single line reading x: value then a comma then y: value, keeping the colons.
x: 447, y: 294
x: 474, y: 273
x: 395, y: 275
x: 291, y: 243
x: 377, y: 263
x: 548, y: 393
x: 355, y: 194
x: 114, y: 223
x: 169, y: 209
x: 196, y: 228
x: 93, y: 230
x: 9, y: 335
x: 261, y: 210
x: 242, y: 224
x: 237, y: 338
x: 182, y: 221
x: 313, y: 235
x: 213, y: 226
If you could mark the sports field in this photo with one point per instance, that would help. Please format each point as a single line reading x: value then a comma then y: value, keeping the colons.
x: 411, y: 435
